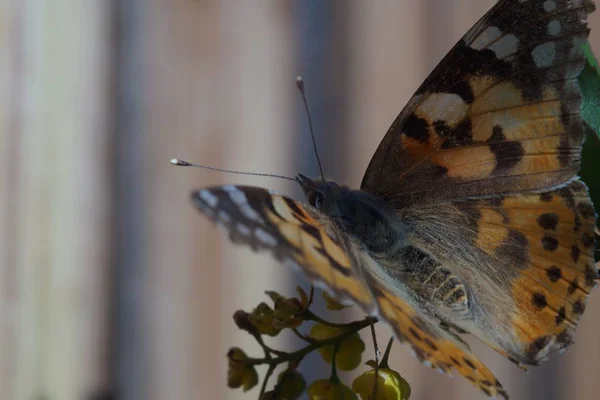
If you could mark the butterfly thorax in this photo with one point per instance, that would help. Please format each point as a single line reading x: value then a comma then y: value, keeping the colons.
x: 359, y: 214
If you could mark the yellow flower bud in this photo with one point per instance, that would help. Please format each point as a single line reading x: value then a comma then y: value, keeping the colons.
x: 390, y: 385
x: 239, y: 373
x: 325, y: 389
x: 331, y: 303
x: 287, y: 311
x: 242, y: 320
x: 262, y: 319
x: 350, y: 350
x: 292, y: 384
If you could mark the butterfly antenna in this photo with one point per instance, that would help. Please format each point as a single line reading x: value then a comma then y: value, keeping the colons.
x: 300, y: 84
x: 181, y: 163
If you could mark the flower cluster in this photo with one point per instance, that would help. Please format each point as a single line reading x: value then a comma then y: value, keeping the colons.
x: 339, y: 344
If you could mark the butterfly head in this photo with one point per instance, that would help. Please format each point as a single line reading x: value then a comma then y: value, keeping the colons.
x: 320, y: 194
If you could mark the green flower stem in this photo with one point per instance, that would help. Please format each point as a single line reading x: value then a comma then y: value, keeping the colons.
x: 350, y: 329
x: 266, y: 349
x: 386, y: 355
x: 302, y: 336
x: 263, y: 388
x: 334, y: 376
x: 309, y: 316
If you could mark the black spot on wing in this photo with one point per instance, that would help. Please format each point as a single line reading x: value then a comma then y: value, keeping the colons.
x: 460, y: 136
x: 561, y: 316
x: 567, y: 195
x: 548, y: 221
x: 549, y: 242
x: 588, y: 240
x: 578, y: 307
x: 507, y: 153
x: 575, y: 253
x: 590, y: 275
x: 586, y: 210
x: 539, y: 301
x: 416, y: 128
x: 534, y: 348
x: 546, y: 197
x: 554, y: 273
x: 441, y: 128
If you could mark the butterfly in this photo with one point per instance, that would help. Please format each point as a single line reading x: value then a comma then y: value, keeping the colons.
x: 470, y: 218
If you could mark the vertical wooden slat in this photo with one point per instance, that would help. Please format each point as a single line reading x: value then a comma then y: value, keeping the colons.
x: 62, y: 258
x: 216, y: 87
x: 131, y: 337
x: 9, y: 57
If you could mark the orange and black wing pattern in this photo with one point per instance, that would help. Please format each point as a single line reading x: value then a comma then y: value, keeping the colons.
x: 305, y: 239
x: 527, y: 258
x: 295, y: 233
x: 500, y: 113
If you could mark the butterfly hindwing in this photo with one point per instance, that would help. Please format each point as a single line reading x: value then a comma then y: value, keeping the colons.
x: 500, y: 113
x: 527, y: 260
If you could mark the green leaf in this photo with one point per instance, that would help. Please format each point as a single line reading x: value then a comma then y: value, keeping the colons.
x: 589, y: 83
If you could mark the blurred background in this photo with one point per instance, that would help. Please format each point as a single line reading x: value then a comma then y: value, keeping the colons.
x: 111, y: 284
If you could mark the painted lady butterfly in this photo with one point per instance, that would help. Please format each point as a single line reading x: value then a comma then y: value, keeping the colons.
x: 470, y: 217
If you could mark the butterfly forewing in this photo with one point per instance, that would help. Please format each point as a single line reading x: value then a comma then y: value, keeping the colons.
x: 499, y: 114
x: 293, y: 232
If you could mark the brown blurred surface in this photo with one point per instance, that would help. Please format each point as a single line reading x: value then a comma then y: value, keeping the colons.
x: 97, y: 96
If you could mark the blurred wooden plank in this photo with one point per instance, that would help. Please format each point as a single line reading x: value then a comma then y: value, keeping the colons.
x: 9, y: 45
x: 213, y: 84
x: 62, y: 260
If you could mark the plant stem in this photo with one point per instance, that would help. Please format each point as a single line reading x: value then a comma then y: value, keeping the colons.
x: 313, y: 317
x: 267, y: 376
x: 351, y: 328
x: 386, y: 355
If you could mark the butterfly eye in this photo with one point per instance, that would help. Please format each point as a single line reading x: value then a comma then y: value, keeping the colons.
x: 316, y: 199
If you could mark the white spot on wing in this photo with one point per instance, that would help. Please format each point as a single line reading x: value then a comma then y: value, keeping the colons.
x: 554, y: 28
x: 236, y: 195
x: 544, y: 54
x: 549, y: 6
x: 209, y: 198
x: 449, y: 107
x: 224, y: 217
x: 249, y: 212
x: 243, y: 229
x: 506, y: 46
x: 265, y: 237
x: 486, y: 37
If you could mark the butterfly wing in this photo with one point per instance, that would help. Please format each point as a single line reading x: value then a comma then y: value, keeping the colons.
x: 306, y: 239
x: 497, y: 119
x: 527, y: 259
x: 293, y: 232
x: 500, y: 113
